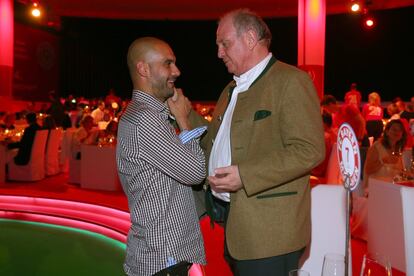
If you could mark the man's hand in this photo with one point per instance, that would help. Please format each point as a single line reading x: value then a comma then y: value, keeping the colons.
x: 226, y: 179
x: 180, y: 108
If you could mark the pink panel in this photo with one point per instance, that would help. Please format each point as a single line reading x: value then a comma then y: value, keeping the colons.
x: 104, y: 220
x: 311, y: 40
x: 6, y: 32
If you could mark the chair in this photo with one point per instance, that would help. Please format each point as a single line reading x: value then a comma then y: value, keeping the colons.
x: 74, y: 175
x: 65, y: 149
x: 333, y: 174
x: 74, y: 169
x: 52, y: 166
x: 407, y: 197
x: 328, y: 215
x: 35, y: 169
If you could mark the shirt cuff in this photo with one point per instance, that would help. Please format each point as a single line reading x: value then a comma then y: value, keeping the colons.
x: 186, y: 135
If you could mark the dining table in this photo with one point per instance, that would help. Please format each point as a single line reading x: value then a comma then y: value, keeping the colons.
x: 386, y: 222
x: 98, y: 168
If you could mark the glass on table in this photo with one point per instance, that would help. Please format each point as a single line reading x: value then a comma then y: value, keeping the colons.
x: 333, y: 265
x: 375, y: 264
x: 299, y: 272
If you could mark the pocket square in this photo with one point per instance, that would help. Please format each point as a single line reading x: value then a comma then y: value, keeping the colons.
x: 261, y: 114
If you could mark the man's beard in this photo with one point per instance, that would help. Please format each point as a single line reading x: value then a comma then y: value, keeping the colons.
x: 162, y: 89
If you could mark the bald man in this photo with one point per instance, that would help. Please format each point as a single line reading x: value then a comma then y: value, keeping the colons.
x: 157, y: 169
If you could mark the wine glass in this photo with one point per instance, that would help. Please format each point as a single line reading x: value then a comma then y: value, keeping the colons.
x: 375, y: 264
x: 299, y: 272
x: 333, y: 265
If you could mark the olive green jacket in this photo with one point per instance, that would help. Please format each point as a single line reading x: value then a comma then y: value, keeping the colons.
x: 276, y: 139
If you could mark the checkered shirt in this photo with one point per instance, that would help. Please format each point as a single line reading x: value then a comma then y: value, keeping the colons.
x: 156, y: 171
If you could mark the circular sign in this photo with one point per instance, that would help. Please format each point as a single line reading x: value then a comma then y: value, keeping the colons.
x: 348, y: 156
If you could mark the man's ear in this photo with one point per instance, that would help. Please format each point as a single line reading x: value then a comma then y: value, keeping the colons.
x: 251, y: 38
x: 143, y: 69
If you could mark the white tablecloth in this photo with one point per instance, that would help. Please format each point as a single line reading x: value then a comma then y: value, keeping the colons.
x: 385, y: 221
x: 98, y: 168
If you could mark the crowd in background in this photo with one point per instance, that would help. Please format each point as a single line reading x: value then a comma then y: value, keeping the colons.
x: 95, y: 122
x: 369, y: 121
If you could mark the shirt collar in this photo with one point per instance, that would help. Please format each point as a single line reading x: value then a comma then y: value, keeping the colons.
x: 150, y: 100
x: 253, y: 73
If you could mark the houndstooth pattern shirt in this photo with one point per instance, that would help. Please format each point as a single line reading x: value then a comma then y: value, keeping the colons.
x: 156, y: 170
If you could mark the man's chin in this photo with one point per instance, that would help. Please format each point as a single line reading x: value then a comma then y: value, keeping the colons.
x: 230, y: 69
x: 170, y: 93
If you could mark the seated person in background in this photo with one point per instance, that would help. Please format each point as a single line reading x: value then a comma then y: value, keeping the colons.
x: 8, y: 121
x: 346, y: 113
x: 405, y: 112
x: 111, y: 129
x: 349, y: 113
x: 25, y: 144
x: 56, y: 109
x: 108, y: 135
x: 330, y: 139
x: 373, y: 114
x: 98, y: 114
x: 85, y: 134
x: 330, y: 106
x: 48, y: 123
x: 384, y: 156
x: 393, y: 111
x: 383, y: 160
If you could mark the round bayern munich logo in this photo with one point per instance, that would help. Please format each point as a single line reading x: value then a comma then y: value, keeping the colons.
x: 348, y: 156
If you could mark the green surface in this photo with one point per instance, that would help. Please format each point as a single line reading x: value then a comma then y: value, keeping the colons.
x: 31, y: 248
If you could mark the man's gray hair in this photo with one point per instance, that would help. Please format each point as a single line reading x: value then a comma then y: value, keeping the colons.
x: 245, y: 20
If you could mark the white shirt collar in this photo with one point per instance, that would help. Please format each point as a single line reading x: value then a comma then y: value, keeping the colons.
x: 247, y: 78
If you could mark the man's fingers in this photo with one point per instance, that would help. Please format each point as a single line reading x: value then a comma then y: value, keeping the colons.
x: 175, y: 96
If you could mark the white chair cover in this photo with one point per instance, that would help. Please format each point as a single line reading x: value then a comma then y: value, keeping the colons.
x: 328, y: 214
x: 407, y: 197
x: 35, y: 169
x: 65, y: 149
x: 333, y: 174
x: 74, y: 170
x: 52, y: 166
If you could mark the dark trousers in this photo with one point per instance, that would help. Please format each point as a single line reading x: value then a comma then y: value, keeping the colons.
x: 180, y: 269
x: 277, y: 265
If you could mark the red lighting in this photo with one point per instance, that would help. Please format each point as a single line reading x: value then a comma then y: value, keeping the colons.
x: 36, y: 12
x: 355, y: 7
x: 369, y: 22
x: 99, y: 219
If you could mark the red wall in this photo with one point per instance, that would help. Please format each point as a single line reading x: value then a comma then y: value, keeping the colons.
x: 36, y: 63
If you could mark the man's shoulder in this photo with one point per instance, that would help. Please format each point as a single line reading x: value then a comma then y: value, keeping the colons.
x: 283, y: 68
x: 138, y: 112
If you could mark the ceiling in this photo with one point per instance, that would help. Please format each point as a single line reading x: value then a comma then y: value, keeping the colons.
x: 193, y: 9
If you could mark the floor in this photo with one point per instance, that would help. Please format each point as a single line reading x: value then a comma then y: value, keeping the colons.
x: 57, y: 187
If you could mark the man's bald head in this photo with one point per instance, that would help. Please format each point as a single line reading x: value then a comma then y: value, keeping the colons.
x: 151, y: 63
x: 142, y: 49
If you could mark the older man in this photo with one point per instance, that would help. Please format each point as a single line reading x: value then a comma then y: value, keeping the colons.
x: 265, y: 137
x: 157, y: 168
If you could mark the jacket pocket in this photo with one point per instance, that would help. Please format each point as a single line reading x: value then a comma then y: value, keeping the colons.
x: 261, y: 114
